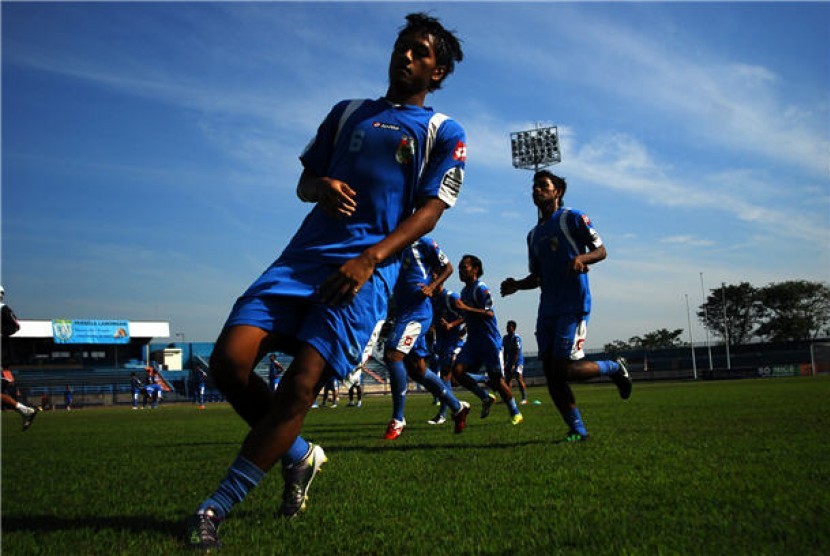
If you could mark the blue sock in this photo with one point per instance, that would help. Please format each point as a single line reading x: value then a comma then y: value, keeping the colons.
x: 442, y: 411
x: 608, y: 367
x: 436, y: 387
x: 296, y: 452
x: 574, y: 420
x: 241, y: 478
x: 512, y: 407
x: 397, y: 382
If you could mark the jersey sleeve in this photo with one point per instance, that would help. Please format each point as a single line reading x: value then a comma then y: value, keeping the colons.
x: 317, y: 154
x: 585, y: 230
x: 443, y: 172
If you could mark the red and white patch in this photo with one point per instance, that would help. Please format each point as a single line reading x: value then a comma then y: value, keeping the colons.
x: 460, y: 152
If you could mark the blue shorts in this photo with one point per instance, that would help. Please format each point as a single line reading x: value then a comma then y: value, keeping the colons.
x: 408, y: 333
x: 278, y: 303
x: 563, y: 336
x: 473, y: 357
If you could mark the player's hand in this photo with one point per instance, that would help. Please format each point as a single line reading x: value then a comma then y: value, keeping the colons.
x: 427, y: 290
x: 509, y: 287
x: 342, y: 285
x: 578, y: 266
x: 336, y: 198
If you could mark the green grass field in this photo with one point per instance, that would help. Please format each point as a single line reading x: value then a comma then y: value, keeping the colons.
x: 740, y: 467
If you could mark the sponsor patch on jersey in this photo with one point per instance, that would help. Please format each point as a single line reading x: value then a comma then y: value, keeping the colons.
x: 460, y: 152
x: 381, y: 125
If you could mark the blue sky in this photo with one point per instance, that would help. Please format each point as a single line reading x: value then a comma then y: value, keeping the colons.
x: 149, y: 151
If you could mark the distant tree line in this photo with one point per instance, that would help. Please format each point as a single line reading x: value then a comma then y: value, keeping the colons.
x: 784, y: 311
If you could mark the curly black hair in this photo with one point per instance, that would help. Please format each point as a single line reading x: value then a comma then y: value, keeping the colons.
x: 447, y: 45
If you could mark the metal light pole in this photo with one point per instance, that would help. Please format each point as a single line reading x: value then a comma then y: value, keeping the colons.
x: 691, y: 338
x: 706, y: 320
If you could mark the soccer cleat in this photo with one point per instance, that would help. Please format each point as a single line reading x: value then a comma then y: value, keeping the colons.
x: 516, y: 419
x: 298, y: 480
x: 523, y: 402
x: 622, y: 379
x: 486, y: 405
x: 394, y: 429
x: 437, y: 420
x: 29, y: 419
x: 350, y: 404
x: 460, y: 418
x: 203, y: 530
x: 573, y: 436
x: 360, y: 403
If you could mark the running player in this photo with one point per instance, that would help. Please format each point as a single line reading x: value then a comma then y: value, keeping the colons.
x: 560, y: 249
x: 424, y: 268
x: 450, y: 331
x: 514, y: 359
x: 483, y: 345
x: 380, y: 173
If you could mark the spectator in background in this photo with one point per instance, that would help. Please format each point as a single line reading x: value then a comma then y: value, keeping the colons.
x: 67, y: 397
x: 135, y: 388
x: 275, y: 370
x: 201, y: 386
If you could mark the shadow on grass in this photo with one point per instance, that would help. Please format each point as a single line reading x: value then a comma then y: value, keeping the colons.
x: 51, y: 523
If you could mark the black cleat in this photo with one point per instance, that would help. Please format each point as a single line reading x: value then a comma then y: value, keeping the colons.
x: 203, y: 530
x: 622, y: 379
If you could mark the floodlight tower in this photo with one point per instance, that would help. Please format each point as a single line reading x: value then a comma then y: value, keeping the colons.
x: 535, y: 149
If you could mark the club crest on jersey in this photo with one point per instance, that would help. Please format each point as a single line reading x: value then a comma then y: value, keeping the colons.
x: 554, y: 244
x: 586, y: 220
x: 406, y: 150
x: 460, y: 152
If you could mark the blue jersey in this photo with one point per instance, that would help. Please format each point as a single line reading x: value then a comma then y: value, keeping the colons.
x: 481, y: 331
x: 420, y: 260
x: 391, y: 156
x: 552, y: 245
x: 512, y: 350
x: 443, y: 307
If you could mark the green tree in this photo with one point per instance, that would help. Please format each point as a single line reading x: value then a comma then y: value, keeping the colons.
x: 742, y: 314
x: 662, y: 338
x: 794, y: 310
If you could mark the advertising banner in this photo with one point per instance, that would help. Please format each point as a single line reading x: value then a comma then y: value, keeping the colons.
x: 91, y: 331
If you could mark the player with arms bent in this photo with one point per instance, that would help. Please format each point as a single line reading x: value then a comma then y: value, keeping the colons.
x: 560, y: 249
x: 381, y: 173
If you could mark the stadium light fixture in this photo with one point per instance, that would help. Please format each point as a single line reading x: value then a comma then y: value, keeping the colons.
x: 534, y: 149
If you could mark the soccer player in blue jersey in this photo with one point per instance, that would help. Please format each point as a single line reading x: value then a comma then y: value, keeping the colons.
x: 483, y: 346
x: 561, y: 249
x: 380, y: 174
x: 450, y: 331
x: 514, y: 359
x: 424, y: 268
